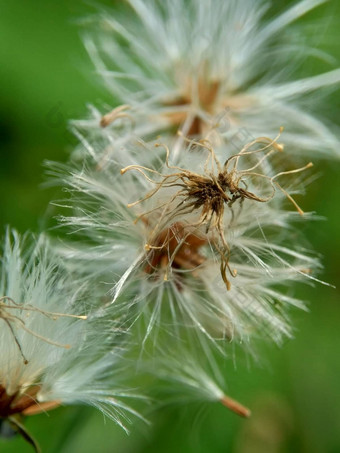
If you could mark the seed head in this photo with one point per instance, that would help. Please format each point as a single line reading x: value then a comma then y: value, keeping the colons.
x: 206, y: 196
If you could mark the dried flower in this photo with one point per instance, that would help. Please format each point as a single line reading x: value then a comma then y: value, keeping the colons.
x: 168, y: 260
x: 207, y: 194
x: 51, y: 355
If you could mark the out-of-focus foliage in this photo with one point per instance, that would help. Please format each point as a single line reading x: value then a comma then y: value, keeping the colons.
x: 46, y: 78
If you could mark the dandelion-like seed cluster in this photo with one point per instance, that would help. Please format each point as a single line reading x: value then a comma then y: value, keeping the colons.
x: 185, y: 205
x: 50, y: 354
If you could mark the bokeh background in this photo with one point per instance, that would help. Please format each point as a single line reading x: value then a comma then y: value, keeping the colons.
x: 46, y: 78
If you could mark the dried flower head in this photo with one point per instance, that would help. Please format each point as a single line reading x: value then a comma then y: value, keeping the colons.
x: 167, y: 256
x: 51, y: 355
x: 206, y: 194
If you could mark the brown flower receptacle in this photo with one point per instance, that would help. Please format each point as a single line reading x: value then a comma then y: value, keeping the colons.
x: 176, y: 248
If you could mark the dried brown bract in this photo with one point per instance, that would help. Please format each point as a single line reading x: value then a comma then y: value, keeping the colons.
x: 23, y: 402
x: 207, y: 194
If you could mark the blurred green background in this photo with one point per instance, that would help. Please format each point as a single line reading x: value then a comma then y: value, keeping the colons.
x: 46, y: 79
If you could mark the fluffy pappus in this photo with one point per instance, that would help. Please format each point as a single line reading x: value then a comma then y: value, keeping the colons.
x: 166, y: 258
x: 52, y: 353
x: 213, y: 65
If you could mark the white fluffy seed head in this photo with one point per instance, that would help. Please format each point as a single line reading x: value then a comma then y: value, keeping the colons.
x: 213, y: 65
x: 174, y: 289
x: 31, y: 293
x: 51, y: 349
